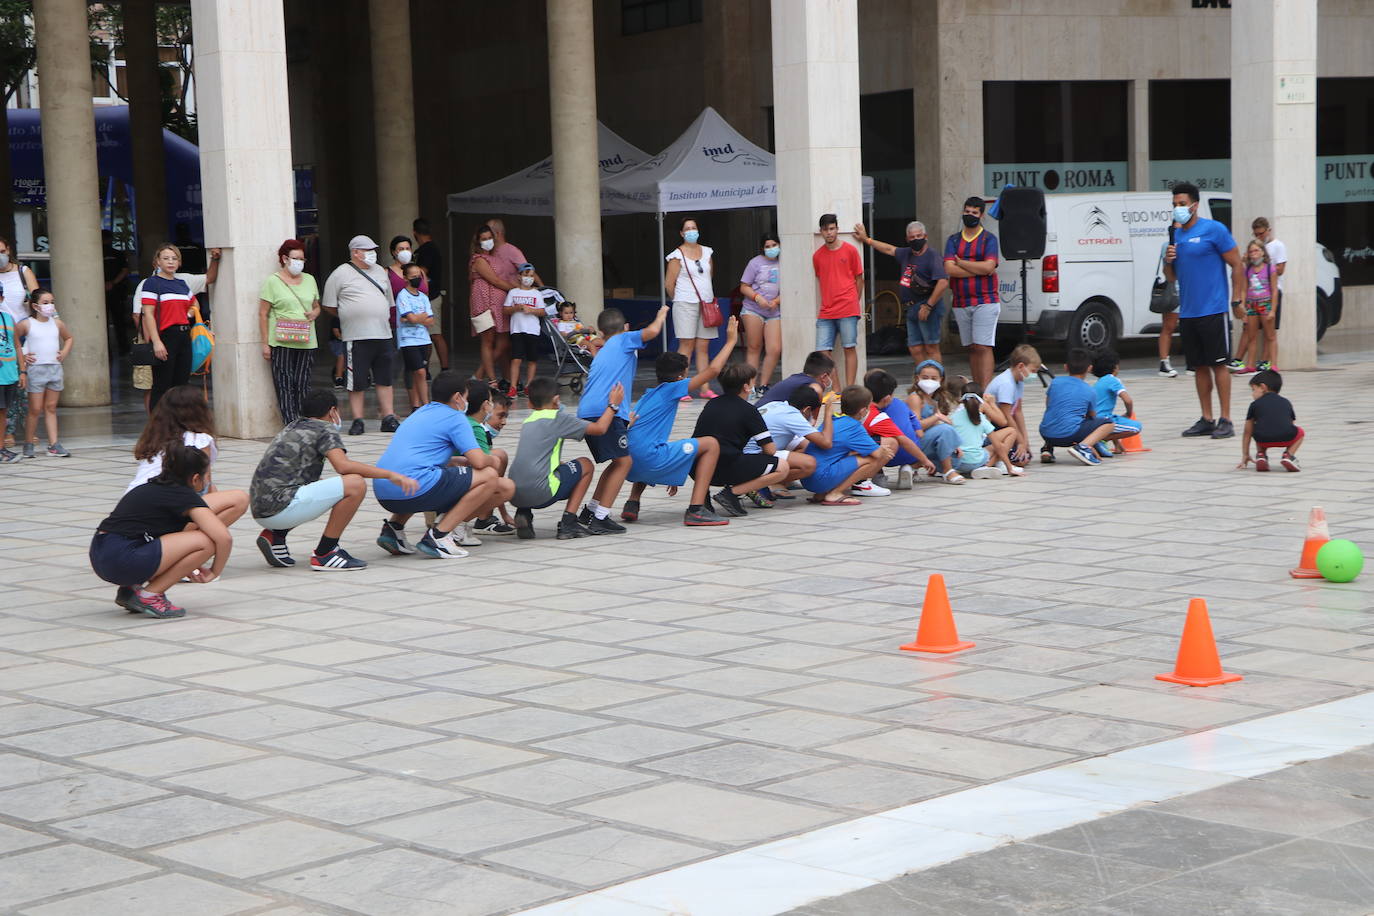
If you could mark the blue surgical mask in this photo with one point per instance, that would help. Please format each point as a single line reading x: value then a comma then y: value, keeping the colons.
x: 691, y: 236
x: 1182, y: 215
x: 772, y: 252
x: 491, y: 431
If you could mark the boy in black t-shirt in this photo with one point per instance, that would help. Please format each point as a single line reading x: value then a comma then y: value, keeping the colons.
x: 736, y: 425
x: 1270, y: 421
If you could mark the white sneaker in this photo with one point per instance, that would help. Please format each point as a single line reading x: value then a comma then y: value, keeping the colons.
x: 986, y: 473
x: 464, y: 537
x: 904, y: 478
x: 869, y: 488
x: 442, y: 548
x: 1016, y: 471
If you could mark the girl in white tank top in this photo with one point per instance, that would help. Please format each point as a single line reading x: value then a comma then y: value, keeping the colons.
x: 46, y: 344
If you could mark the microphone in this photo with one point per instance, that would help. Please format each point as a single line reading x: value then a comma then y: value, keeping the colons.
x: 1172, y: 230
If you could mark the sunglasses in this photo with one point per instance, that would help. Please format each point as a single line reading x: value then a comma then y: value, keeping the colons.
x: 700, y: 270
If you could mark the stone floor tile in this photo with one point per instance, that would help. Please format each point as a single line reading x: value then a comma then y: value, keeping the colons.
x: 644, y: 666
x: 17, y: 769
x: 164, y: 895
x: 13, y: 839
x: 625, y: 743
x: 86, y: 737
x: 410, y: 665
x: 1154, y: 707
x: 586, y: 694
x: 740, y: 681
x: 685, y: 710
x: 334, y: 652
x: 359, y: 800
x: 1309, y: 869
x: 257, y: 778
x: 997, y: 685
x: 862, y: 787
x: 598, y: 856
x: 1359, y: 833
x: 161, y: 821
x: 101, y: 690
x: 497, y: 679
x: 1169, y: 898
x: 797, y: 728
x: 527, y: 723
x: 165, y: 758
x: 31, y: 876
x: 425, y: 708
x: 257, y: 849
x: 472, y: 826
x: 351, y: 740
x: 343, y: 691
x: 957, y: 714
x: 610, y: 631
x: 694, y: 642
x: 898, y: 669
x: 738, y: 764
x: 1161, y: 840
x: 447, y: 759
x: 556, y: 782
x: 1033, y: 659
x: 23, y: 717
x: 846, y: 697
x: 183, y: 704
x: 264, y: 721
x: 705, y: 813
x: 29, y: 677
x: 400, y: 882
x: 958, y: 755
x: 1081, y: 733
x: 788, y: 656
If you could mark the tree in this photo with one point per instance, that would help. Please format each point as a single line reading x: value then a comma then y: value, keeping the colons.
x: 17, y: 57
x: 173, y: 31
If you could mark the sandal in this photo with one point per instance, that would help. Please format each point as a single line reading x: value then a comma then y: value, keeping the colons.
x: 842, y: 501
x: 952, y: 476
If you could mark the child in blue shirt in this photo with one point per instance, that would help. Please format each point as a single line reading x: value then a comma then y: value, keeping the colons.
x: 616, y: 361
x: 660, y: 462
x: 853, y: 455
x: 414, y: 318
x: 1069, y: 418
x: 1107, y: 390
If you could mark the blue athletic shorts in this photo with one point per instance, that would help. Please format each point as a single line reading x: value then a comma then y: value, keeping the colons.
x: 612, y: 444
x: 828, y: 478
x: 122, y: 560
x: 1085, y: 429
x: 666, y: 464
x: 452, y: 485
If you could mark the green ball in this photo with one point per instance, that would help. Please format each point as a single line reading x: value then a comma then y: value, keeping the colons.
x: 1340, y: 560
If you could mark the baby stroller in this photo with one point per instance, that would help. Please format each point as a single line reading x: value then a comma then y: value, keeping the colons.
x: 570, y: 363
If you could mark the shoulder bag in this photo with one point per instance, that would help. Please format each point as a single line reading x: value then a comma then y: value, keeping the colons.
x: 711, y: 316
x: 293, y: 330
x: 1163, y: 295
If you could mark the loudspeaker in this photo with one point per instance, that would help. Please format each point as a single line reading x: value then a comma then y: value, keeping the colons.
x: 1021, y: 229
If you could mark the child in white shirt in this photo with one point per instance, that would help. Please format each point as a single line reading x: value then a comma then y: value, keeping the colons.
x: 524, y: 304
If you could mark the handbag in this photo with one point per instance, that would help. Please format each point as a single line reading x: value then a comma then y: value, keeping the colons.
x: 202, y: 342
x: 711, y: 316
x: 1163, y: 295
x: 293, y: 330
x: 141, y: 354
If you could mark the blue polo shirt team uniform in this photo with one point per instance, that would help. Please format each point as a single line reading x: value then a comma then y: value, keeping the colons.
x: 834, y: 465
x: 1105, y: 393
x: 658, y: 461
x: 421, y: 450
x: 616, y: 362
x: 1204, y: 292
x: 1068, y: 408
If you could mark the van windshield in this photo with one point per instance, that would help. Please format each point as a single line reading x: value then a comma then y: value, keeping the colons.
x: 1221, y: 211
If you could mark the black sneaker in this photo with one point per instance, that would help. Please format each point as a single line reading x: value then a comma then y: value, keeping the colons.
x: 492, y: 525
x: 702, y: 517
x: 337, y: 560
x: 585, y: 516
x: 390, y: 424
x: 630, y: 511
x: 1203, y: 427
x: 154, y: 606
x: 730, y: 504
x: 569, y: 528
x: 339, y: 382
x: 604, y: 526
x: 524, y: 524
x: 275, y: 554
x: 1224, y: 429
x: 1046, y: 454
x: 356, y: 428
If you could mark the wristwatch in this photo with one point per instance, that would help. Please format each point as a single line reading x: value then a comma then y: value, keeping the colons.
x: 1235, y: 303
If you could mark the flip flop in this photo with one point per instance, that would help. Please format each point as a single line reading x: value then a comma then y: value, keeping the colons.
x: 844, y: 501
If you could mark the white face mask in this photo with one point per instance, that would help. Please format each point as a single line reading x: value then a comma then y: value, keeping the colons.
x: 47, y: 309
x: 488, y: 244
x: 403, y: 255
x: 295, y: 266
x: 928, y: 385
x: 527, y: 281
x: 369, y: 258
x: 4, y: 260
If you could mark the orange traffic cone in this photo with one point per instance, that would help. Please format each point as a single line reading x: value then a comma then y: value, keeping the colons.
x: 1133, y: 443
x: 936, y: 632
x: 1317, y: 535
x: 1198, y: 664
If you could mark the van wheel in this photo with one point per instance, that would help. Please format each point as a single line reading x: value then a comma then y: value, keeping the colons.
x: 1323, y: 310
x: 1093, y: 327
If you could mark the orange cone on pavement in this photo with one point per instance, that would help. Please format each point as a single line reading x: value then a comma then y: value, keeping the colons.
x: 1317, y: 535
x: 1198, y: 663
x: 1133, y: 443
x: 936, y: 632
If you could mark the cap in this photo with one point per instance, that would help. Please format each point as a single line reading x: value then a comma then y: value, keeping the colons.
x: 525, y: 266
x: 361, y: 241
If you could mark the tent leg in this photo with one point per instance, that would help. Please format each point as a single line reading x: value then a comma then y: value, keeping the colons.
x: 872, y: 283
x: 662, y: 290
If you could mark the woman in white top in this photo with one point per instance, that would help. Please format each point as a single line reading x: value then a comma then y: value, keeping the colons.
x: 688, y: 282
x: 17, y: 282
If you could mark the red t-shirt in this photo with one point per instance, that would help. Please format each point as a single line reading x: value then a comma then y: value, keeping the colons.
x: 836, y: 270
x: 879, y: 425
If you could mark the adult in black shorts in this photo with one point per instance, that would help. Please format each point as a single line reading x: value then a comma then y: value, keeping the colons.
x: 748, y: 458
x: 1199, y: 253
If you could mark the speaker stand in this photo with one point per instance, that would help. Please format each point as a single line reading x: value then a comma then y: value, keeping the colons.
x: 1045, y: 375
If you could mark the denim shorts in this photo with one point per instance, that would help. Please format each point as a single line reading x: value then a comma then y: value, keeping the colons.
x: 920, y: 332
x: 846, y: 328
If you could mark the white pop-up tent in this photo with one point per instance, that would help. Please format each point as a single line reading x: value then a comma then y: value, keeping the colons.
x: 529, y: 192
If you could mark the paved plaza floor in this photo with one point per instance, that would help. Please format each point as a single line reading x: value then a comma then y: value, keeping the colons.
x: 544, y: 719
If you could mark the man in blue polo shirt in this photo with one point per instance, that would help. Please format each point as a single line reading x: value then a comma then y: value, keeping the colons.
x: 1199, y: 257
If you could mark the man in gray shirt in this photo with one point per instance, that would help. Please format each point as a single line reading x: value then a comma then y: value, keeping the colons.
x: 358, y: 293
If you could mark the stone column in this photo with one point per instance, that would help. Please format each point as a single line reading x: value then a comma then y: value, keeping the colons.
x: 245, y: 164
x: 577, y: 179
x: 393, y: 119
x: 1139, y: 101
x: 1274, y: 151
x: 145, y: 126
x: 73, y: 189
x: 816, y: 106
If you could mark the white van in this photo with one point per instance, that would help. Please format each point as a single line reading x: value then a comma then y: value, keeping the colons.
x: 1102, y: 251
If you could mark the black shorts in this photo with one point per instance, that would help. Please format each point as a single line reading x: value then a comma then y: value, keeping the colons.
x: 9, y: 395
x: 452, y: 485
x: 524, y: 346
x: 1085, y: 429
x: 742, y: 468
x: 369, y: 362
x: 122, y: 560
x: 614, y: 443
x: 416, y: 357
x: 1206, y: 340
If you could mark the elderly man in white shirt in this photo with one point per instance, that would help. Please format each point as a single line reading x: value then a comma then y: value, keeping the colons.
x: 358, y: 293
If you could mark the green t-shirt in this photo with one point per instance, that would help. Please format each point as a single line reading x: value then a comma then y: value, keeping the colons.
x: 479, y: 432
x: 291, y: 303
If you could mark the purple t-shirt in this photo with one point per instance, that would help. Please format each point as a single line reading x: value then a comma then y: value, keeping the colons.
x: 761, y: 273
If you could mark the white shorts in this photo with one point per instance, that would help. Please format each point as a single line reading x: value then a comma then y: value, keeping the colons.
x: 310, y: 502
x: 687, y: 322
x: 978, y: 323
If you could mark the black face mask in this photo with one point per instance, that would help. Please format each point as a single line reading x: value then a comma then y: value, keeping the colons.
x: 917, y: 245
x: 414, y: 282
x: 970, y: 220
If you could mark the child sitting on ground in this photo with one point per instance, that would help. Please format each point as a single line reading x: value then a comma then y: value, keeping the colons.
x: 414, y: 320
x: 161, y: 532
x: 818, y: 369
x: 852, y: 456
x: 1069, y: 418
x: 930, y: 399
x: 792, y: 425
x: 982, y: 446
x: 47, y: 342
x: 287, y: 490
x: 749, y: 461
x: 1008, y: 390
x: 1271, y: 422
x: 891, y: 418
x: 540, y: 474
x: 1107, y: 390
x: 578, y: 335
x: 658, y: 462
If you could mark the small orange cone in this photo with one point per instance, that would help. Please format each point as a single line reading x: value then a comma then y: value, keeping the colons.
x: 1198, y: 664
x: 1133, y: 443
x: 1317, y: 535
x: 936, y: 632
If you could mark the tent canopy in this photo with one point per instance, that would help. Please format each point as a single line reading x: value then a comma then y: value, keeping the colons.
x: 529, y: 192
x: 710, y: 167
